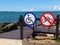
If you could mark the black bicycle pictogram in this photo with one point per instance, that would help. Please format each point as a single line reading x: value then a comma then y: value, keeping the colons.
x: 44, y: 20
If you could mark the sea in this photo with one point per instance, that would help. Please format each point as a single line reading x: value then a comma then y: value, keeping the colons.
x: 12, y: 16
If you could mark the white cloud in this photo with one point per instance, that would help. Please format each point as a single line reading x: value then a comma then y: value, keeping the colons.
x: 57, y: 7
x: 32, y: 9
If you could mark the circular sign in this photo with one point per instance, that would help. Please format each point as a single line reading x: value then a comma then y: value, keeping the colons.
x: 29, y: 18
x: 47, y: 19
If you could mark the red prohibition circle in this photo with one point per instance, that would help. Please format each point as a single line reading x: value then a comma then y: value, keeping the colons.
x: 51, y: 24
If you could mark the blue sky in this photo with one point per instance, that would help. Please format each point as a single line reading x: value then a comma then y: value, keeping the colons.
x: 29, y: 5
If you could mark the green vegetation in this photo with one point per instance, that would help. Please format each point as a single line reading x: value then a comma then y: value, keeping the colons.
x: 58, y: 40
x: 54, y: 27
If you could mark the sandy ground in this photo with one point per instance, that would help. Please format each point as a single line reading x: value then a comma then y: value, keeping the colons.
x: 10, y: 42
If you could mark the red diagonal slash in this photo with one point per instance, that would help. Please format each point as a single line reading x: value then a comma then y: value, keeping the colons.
x: 47, y: 19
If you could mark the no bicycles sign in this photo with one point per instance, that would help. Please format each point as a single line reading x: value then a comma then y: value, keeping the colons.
x: 47, y: 19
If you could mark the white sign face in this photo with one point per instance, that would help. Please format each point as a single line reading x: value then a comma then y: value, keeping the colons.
x: 47, y: 19
x: 29, y: 19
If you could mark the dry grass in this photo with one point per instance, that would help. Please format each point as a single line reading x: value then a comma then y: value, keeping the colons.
x: 43, y: 39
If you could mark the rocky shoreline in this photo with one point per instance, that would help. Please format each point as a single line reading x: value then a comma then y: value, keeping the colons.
x: 9, y: 26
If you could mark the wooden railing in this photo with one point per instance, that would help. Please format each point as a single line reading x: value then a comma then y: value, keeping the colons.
x: 21, y: 26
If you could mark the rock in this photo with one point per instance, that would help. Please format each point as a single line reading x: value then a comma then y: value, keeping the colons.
x: 2, y: 26
x: 9, y: 27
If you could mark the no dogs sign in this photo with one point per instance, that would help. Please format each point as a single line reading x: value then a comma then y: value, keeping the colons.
x: 47, y: 19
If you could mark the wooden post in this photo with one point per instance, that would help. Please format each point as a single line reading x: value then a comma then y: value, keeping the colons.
x: 21, y: 27
x: 57, y: 27
x: 33, y: 34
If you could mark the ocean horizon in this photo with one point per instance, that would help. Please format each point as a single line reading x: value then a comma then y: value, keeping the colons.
x: 12, y: 16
